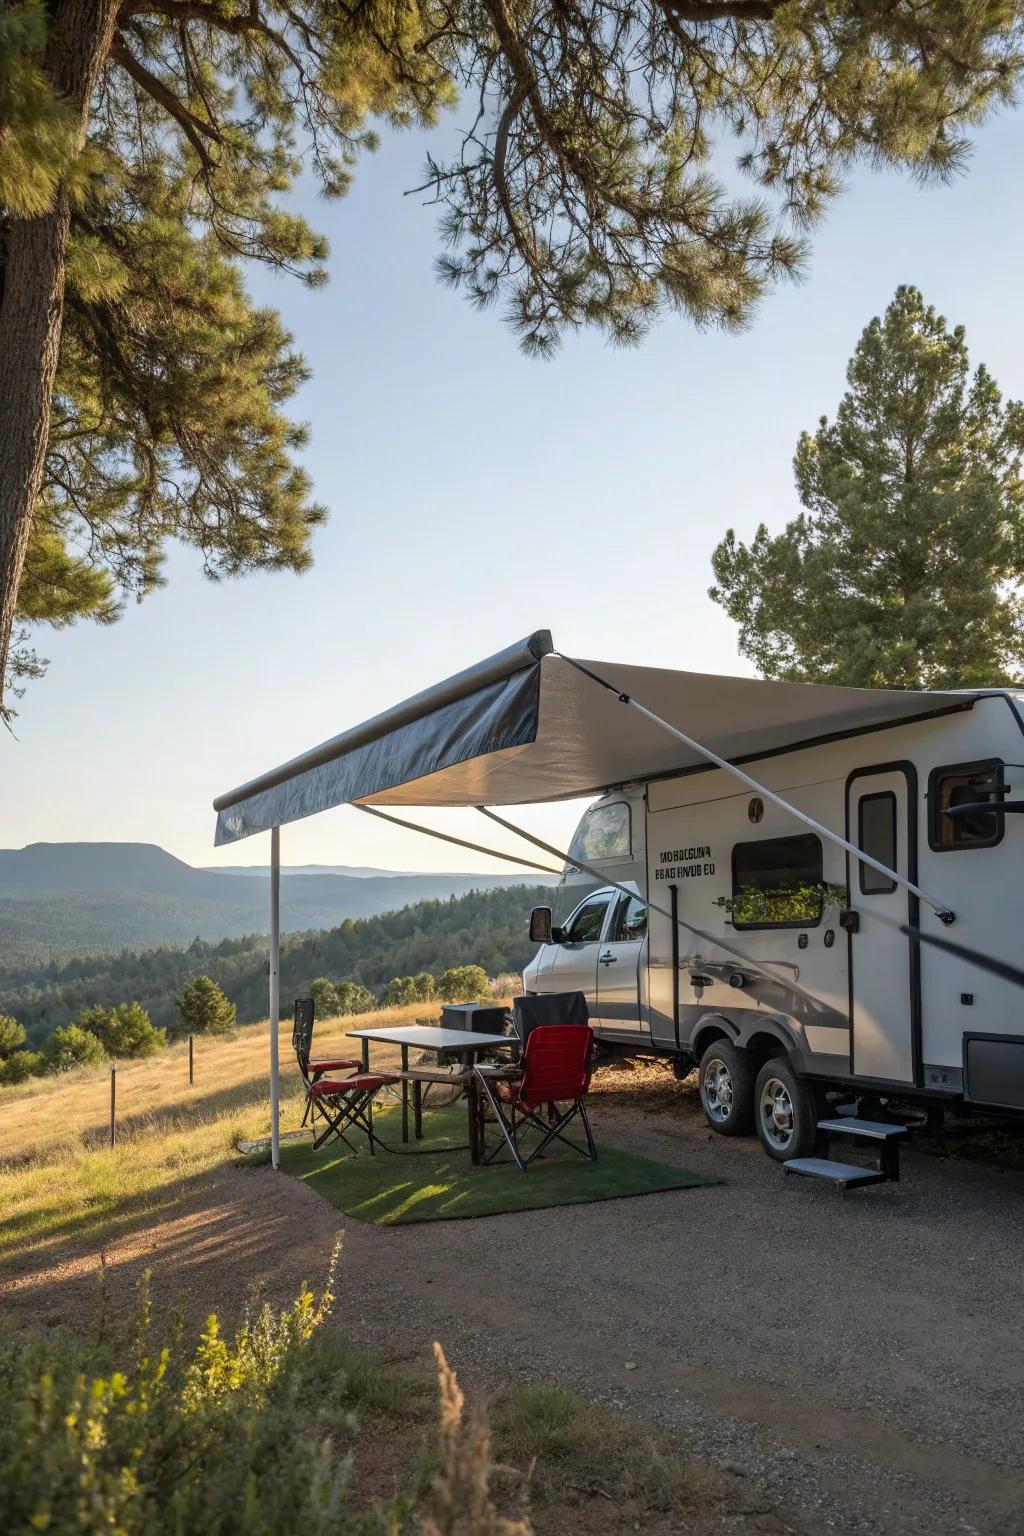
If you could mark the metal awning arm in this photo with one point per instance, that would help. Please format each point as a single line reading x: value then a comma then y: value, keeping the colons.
x: 460, y: 842
x: 944, y: 912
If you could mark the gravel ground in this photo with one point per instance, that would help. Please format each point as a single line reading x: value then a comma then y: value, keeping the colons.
x: 857, y: 1357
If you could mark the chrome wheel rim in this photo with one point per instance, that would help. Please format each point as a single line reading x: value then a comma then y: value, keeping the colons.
x: 717, y: 1091
x: 776, y: 1111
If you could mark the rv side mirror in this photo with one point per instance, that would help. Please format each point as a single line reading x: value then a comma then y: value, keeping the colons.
x: 541, y: 927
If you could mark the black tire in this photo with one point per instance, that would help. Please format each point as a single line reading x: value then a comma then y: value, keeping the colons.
x: 726, y: 1085
x: 786, y: 1111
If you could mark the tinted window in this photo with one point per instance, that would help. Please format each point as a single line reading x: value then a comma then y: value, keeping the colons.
x: 969, y: 784
x: 777, y: 883
x: 630, y: 920
x: 589, y: 920
x: 603, y: 834
x: 876, y: 834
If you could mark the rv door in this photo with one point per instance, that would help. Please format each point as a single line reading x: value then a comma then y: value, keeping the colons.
x: 884, y: 967
x: 618, y: 965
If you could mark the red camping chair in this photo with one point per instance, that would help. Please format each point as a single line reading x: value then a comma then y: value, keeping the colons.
x: 341, y: 1103
x: 555, y: 1069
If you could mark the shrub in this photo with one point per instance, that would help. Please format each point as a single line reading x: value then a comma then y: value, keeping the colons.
x: 73, y: 1047
x: 12, y: 1034
x: 21, y: 1065
x: 506, y: 984
x: 203, y: 1009
x: 123, y: 1031
x: 325, y: 998
x: 464, y: 984
x: 409, y: 989
x: 233, y: 1436
x: 353, y: 997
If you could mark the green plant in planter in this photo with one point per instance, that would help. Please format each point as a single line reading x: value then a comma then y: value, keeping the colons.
x: 782, y: 904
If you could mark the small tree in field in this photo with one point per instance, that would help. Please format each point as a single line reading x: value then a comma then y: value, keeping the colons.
x: 353, y: 997
x: 464, y: 984
x: 325, y: 998
x: 906, y: 570
x: 73, y: 1047
x: 203, y: 1009
x: 21, y: 1065
x: 12, y: 1034
x: 123, y: 1031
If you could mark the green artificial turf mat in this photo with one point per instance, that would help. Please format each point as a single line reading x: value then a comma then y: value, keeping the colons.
x: 435, y: 1182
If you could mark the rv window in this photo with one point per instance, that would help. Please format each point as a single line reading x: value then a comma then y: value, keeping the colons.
x: 584, y: 927
x: 603, y: 834
x: 964, y: 784
x: 876, y: 835
x: 777, y: 883
x: 630, y: 921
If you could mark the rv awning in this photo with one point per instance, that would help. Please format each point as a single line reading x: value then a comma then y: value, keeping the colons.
x: 528, y: 725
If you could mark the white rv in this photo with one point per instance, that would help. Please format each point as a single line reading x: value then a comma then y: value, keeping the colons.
x: 800, y: 977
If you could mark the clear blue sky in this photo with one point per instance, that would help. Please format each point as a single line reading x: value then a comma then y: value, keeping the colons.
x: 476, y: 495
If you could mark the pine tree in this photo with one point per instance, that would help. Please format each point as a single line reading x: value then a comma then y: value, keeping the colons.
x: 905, y: 569
x: 146, y: 148
x: 203, y: 1009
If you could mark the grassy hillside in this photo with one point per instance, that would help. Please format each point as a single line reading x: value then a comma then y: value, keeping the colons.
x: 488, y: 928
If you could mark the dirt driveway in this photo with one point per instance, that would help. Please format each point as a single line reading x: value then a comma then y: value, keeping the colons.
x: 860, y: 1356
x: 858, y: 1360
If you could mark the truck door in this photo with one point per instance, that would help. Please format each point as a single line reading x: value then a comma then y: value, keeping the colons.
x: 618, y: 960
x: 881, y: 819
x: 574, y: 968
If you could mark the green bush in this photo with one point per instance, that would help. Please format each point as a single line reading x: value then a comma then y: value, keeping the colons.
x: 203, y: 1009
x: 72, y: 1047
x: 123, y: 1031
x: 12, y: 1034
x: 153, y: 1439
x: 325, y: 998
x: 464, y: 984
x: 409, y: 989
x: 353, y: 997
x: 20, y: 1065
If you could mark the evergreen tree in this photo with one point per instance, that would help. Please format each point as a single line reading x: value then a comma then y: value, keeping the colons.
x: 73, y: 1047
x: 203, y: 1009
x: 123, y: 1031
x: 905, y: 569
x: 146, y: 147
x: 325, y: 998
x: 12, y: 1035
x: 464, y: 984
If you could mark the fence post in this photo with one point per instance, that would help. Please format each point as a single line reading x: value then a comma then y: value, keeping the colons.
x: 190, y: 1077
x: 113, y: 1098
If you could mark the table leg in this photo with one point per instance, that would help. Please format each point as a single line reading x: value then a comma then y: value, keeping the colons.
x: 417, y: 1109
x: 473, y: 1110
x: 405, y: 1093
x: 365, y: 1048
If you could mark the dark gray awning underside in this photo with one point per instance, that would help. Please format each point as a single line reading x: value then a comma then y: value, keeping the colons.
x: 527, y: 726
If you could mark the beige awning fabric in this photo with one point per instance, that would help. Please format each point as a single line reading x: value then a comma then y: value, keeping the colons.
x: 528, y: 725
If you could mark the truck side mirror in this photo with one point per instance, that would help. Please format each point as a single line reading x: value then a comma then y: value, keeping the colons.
x: 541, y: 927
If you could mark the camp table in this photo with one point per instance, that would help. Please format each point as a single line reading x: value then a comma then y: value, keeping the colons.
x: 445, y: 1042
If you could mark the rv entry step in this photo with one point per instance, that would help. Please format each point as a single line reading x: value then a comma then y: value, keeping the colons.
x: 851, y: 1175
x: 846, y: 1175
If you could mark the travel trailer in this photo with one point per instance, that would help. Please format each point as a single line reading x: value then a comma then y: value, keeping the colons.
x: 795, y: 967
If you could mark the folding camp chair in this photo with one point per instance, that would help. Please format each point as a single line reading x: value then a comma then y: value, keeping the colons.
x: 341, y: 1103
x: 555, y: 1069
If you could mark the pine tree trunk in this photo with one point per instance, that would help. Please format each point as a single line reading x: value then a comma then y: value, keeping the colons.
x: 32, y: 306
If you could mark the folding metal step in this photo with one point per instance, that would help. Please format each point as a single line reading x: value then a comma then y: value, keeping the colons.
x: 844, y: 1175
x: 851, y: 1125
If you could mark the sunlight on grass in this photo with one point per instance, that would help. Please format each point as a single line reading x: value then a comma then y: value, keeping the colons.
x: 58, y: 1177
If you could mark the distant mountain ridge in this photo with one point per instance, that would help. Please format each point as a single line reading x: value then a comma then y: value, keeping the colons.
x: 64, y: 899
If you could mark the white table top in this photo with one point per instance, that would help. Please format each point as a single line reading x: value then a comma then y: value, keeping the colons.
x: 430, y: 1038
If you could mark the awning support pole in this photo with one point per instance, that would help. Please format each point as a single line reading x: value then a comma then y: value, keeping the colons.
x: 275, y: 995
x: 945, y: 914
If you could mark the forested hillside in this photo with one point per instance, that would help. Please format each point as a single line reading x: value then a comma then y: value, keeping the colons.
x: 61, y: 900
x: 488, y: 928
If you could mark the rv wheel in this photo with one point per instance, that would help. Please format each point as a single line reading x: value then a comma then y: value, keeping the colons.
x: 787, y: 1111
x: 727, y: 1089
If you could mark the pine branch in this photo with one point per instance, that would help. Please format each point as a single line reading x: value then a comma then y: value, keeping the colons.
x: 193, y: 127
